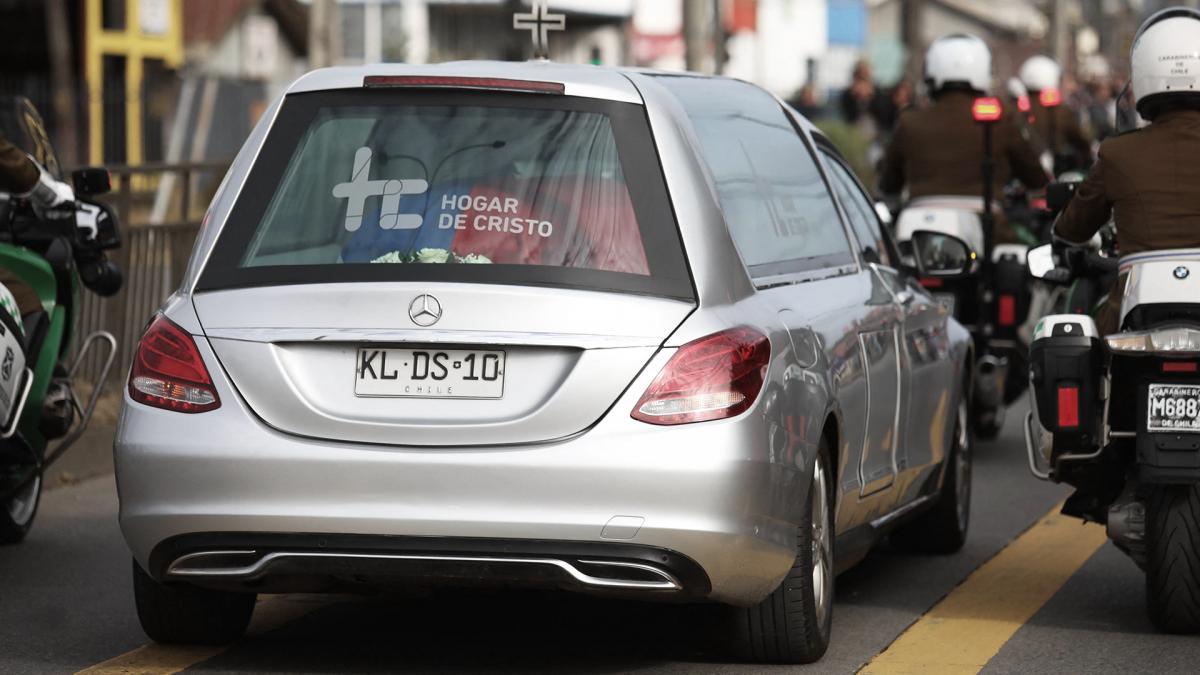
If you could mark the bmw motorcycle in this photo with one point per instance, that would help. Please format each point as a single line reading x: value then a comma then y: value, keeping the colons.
x: 1118, y: 416
x: 55, y: 255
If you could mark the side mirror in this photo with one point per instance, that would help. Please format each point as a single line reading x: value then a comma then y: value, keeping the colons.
x: 942, y: 255
x: 1040, y: 261
x: 91, y: 181
x: 1058, y: 195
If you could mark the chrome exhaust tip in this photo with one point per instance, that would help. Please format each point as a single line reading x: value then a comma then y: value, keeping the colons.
x: 586, y: 573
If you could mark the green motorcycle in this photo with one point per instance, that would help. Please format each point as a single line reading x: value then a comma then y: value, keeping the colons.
x: 55, y: 255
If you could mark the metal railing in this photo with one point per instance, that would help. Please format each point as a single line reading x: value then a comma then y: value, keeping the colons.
x: 153, y: 255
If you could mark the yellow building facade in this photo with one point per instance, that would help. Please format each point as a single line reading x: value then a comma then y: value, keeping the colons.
x: 151, y: 30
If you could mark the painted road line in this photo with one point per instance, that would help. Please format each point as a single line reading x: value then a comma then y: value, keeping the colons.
x: 271, y: 612
x: 970, y: 625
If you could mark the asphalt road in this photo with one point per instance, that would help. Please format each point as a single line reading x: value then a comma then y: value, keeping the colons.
x: 66, y: 605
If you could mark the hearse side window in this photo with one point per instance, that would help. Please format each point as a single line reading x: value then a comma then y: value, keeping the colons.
x: 777, y: 207
x: 860, y: 211
x: 404, y: 185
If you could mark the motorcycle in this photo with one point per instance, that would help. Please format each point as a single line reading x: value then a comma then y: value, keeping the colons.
x: 948, y: 239
x: 54, y: 254
x: 1118, y: 416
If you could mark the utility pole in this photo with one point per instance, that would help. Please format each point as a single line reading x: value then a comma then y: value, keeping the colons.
x: 324, y: 33
x: 697, y: 35
x: 58, y: 38
x: 912, y: 35
x: 1058, y: 32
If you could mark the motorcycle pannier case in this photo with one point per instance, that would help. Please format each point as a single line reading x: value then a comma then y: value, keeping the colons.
x: 1066, y: 362
x: 12, y: 363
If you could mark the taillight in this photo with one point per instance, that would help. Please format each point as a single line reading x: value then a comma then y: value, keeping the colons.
x: 451, y: 82
x: 1007, y: 310
x: 712, y: 378
x: 1068, y: 407
x: 168, y: 371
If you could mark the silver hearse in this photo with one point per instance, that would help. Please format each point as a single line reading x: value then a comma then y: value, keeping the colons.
x: 612, y: 331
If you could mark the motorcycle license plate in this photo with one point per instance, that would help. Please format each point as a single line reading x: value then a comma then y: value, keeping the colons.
x: 429, y: 373
x: 1173, y: 408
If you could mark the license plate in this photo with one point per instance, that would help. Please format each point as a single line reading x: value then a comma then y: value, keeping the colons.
x: 429, y: 373
x: 1173, y: 408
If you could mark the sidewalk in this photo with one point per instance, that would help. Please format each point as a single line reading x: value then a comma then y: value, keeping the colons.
x: 92, y: 454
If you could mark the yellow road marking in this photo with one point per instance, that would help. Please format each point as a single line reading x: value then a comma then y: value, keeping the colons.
x: 270, y: 613
x: 970, y: 625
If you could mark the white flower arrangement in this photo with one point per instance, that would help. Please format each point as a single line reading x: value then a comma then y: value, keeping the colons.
x: 432, y: 256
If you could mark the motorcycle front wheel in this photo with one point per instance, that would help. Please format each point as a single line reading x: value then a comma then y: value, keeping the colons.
x: 1173, y: 558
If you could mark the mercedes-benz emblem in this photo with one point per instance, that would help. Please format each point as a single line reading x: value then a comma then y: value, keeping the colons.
x: 1182, y: 272
x: 425, y: 310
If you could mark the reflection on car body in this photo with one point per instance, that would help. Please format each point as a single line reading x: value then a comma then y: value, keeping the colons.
x: 712, y: 365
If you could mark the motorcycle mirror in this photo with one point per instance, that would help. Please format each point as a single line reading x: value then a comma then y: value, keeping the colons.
x: 91, y: 181
x: 102, y: 276
x: 1040, y: 261
x: 1058, y: 195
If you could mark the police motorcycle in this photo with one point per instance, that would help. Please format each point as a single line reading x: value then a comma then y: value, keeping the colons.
x: 949, y: 240
x: 54, y: 254
x: 1118, y: 417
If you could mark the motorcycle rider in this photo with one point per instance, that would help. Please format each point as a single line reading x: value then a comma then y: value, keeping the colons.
x: 1146, y: 179
x: 1054, y: 124
x: 21, y: 176
x: 938, y: 150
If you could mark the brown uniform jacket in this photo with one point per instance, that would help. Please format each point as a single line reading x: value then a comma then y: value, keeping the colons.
x: 1147, y: 180
x: 1058, y: 129
x: 938, y: 150
x: 17, y: 175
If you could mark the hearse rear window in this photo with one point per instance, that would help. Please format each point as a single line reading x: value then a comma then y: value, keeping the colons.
x: 380, y: 185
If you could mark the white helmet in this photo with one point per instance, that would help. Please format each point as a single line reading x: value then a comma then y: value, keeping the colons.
x: 959, y: 59
x: 1016, y: 88
x: 1165, y: 58
x: 1040, y: 73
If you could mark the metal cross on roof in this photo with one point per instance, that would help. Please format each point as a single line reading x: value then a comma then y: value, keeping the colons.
x: 539, y: 22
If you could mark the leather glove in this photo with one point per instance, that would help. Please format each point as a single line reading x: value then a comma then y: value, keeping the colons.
x: 49, y: 197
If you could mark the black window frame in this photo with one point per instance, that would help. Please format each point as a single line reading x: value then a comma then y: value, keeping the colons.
x: 670, y: 275
x: 831, y: 153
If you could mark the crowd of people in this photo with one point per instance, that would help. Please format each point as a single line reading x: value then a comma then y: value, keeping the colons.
x: 1099, y: 106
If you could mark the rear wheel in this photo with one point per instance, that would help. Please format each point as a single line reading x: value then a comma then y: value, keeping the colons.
x: 18, y: 510
x: 1173, y: 558
x: 792, y: 625
x: 187, y: 615
x: 943, y: 529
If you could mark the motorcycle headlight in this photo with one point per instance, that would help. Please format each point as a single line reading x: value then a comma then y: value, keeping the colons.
x: 1180, y: 340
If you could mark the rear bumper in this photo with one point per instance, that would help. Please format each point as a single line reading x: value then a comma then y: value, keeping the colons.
x: 710, y: 493
x: 264, y: 562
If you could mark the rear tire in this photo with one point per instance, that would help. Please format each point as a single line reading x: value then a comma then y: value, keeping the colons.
x: 186, y: 615
x: 943, y: 528
x: 18, y: 511
x: 1173, y: 558
x: 792, y: 625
